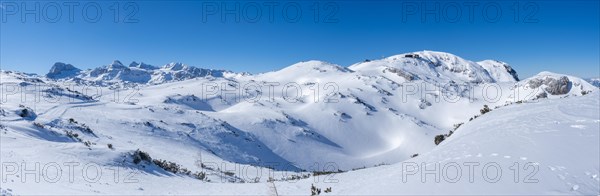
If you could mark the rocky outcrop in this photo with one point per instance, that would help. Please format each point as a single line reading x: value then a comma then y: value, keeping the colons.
x: 554, y: 86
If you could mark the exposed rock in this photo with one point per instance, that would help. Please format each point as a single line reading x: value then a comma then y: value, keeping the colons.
x: 558, y: 87
x: 554, y: 86
x: 62, y: 70
x: 405, y: 75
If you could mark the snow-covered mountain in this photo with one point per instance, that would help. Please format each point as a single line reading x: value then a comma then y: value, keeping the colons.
x: 547, y: 84
x: 441, y: 67
x: 310, y: 116
x: 137, y: 73
x: 62, y: 70
x: 594, y: 81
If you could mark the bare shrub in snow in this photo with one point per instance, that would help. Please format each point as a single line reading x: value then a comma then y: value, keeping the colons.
x: 139, y: 156
x: 485, y: 109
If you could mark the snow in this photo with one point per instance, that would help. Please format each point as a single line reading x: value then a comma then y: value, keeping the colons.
x: 500, y: 71
x: 116, y: 73
x: 548, y: 84
x: 142, y: 65
x: 62, y: 70
x: 594, y: 81
x: 552, y: 157
x: 380, y: 112
x: 433, y: 66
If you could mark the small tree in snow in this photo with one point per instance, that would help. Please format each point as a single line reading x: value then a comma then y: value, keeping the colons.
x: 485, y: 109
x: 314, y: 190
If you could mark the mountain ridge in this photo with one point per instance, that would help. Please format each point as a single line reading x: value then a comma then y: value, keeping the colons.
x: 454, y: 67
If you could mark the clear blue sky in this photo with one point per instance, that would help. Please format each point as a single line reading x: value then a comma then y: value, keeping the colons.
x: 558, y: 36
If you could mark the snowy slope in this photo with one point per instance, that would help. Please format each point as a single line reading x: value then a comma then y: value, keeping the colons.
x: 302, y: 117
x: 357, y: 118
x: 432, y: 66
x: 544, y: 151
x: 500, y: 71
x: 554, y: 145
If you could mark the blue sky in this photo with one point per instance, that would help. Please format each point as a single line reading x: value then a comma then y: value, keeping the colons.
x: 558, y: 36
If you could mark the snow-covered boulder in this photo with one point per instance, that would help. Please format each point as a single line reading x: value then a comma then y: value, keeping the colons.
x: 26, y: 113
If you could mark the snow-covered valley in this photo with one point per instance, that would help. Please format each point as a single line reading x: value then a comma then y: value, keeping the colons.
x: 374, y: 128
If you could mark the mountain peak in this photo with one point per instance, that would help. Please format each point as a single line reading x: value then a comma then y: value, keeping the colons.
x: 431, y: 65
x: 142, y: 65
x: 174, y: 66
x: 62, y: 70
x: 134, y: 64
x: 116, y: 64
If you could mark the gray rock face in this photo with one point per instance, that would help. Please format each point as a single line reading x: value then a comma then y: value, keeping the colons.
x: 558, y: 87
x: 512, y: 72
x: 542, y: 95
x: 554, y: 86
x: 535, y: 83
x: 405, y: 75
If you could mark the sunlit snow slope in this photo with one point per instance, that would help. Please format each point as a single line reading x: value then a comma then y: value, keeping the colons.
x: 310, y: 116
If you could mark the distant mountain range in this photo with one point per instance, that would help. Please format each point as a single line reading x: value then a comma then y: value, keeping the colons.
x: 139, y: 73
x: 594, y: 81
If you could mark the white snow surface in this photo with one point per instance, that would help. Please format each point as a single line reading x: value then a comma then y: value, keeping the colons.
x: 500, y: 71
x: 372, y: 113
